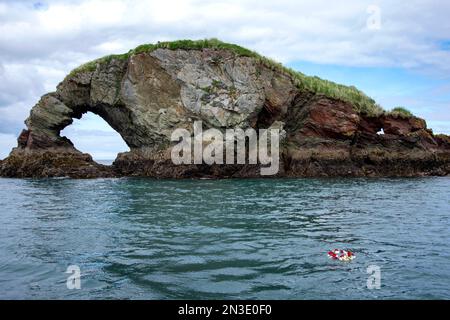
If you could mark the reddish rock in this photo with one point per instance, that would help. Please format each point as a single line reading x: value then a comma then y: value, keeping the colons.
x: 370, y: 125
x: 329, y: 118
x: 425, y: 138
x: 23, y: 138
x: 401, y: 126
x: 442, y: 140
x: 417, y: 124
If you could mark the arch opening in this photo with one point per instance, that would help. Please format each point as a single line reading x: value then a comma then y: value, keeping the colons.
x: 92, y: 134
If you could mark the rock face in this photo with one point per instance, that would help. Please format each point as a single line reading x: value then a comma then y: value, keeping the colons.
x: 148, y: 95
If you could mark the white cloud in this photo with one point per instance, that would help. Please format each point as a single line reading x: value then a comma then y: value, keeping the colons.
x: 7, y: 142
x: 107, y: 143
x: 319, y: 31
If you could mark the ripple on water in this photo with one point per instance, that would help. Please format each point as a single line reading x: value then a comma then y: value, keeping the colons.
x: 258, y: 239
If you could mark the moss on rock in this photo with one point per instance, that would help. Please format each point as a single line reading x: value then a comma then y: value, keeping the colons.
x: 401, y: 112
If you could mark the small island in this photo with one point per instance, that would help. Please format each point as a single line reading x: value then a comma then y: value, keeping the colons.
x: 330, y: 129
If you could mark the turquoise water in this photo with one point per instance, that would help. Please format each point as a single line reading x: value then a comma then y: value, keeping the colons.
x: 237, y: 239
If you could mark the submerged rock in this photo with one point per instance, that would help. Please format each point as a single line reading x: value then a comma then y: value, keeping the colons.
x: 146, y: 95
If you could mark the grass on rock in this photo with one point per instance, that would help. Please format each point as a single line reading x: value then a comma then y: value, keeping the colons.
x: 360, y: 101
x: 401, y: 112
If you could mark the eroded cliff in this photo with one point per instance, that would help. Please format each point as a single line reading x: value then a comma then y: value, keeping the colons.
x: 146, y: 94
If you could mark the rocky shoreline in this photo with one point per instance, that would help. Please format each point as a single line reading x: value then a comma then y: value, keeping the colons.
x: 146, y: 95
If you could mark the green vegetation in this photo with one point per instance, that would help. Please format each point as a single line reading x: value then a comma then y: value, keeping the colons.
x: 92, y: 65
x: 208, y: 89
x: 401, y: 112
x: 361, y: 102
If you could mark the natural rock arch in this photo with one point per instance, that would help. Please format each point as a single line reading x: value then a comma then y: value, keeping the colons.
x: 144, y: 96
x: 92, y: 135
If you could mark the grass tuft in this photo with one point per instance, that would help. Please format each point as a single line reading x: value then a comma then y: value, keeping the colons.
x: 401, y: 112
x: 360, y: 101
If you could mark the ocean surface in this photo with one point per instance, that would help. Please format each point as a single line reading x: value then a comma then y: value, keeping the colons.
x: 233, y: 239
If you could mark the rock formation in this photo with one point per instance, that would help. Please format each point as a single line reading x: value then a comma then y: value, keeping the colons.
x: 145, y: 95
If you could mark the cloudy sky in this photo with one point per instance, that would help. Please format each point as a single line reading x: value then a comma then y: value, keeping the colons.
x: 397, y: 52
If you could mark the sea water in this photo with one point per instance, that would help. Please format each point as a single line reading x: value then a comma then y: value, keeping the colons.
x: 224, y: 239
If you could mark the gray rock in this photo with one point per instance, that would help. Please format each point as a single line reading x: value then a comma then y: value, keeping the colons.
x: 146, y: 96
